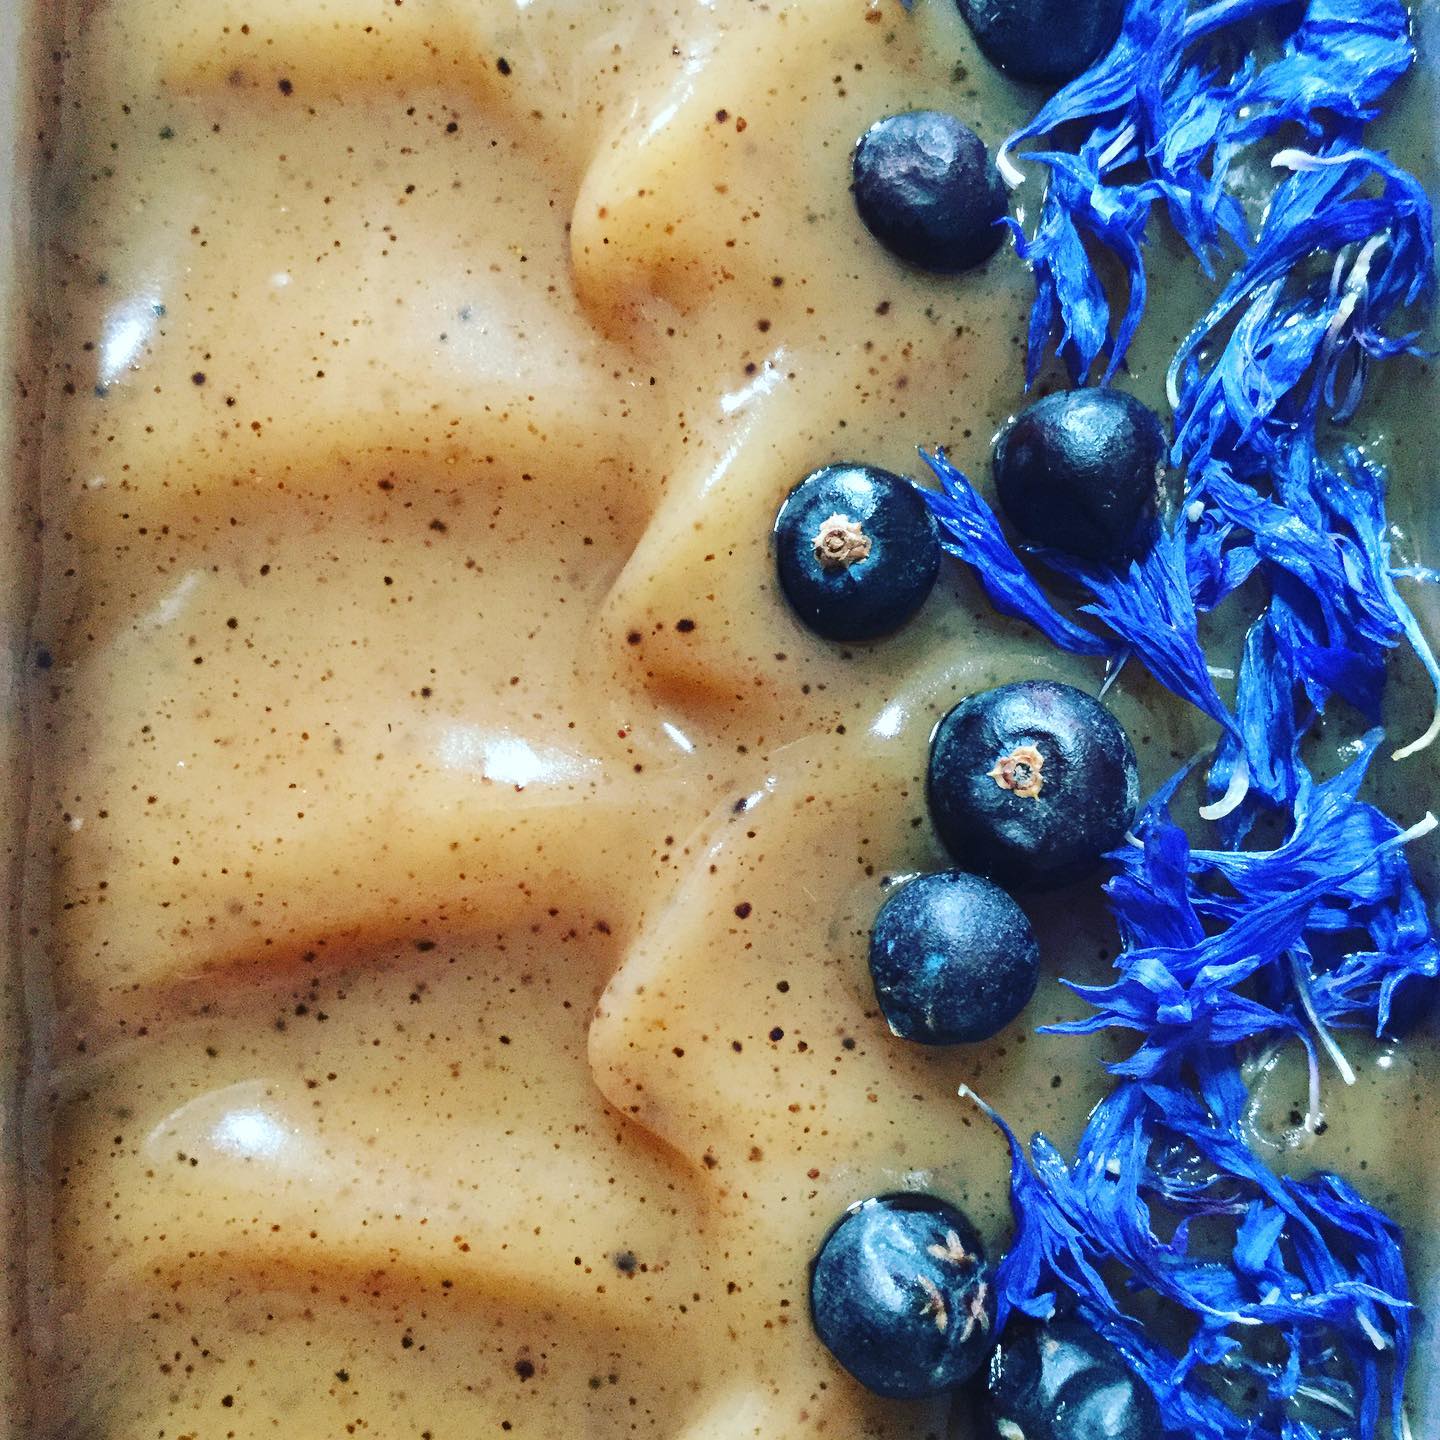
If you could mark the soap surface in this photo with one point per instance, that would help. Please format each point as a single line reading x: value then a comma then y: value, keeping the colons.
x: 452, y: 864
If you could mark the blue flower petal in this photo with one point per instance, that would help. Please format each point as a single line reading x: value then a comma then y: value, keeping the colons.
x: 970, y: 532
x: 1235, y: 946
x: 1312, y: 1267
x: 1168, y: 102
x: 1149, y: 606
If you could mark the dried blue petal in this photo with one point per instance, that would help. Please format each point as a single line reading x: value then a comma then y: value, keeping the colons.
x: 1152, y: 28
x: 1270, y: 728
x: 1078, y: 211
x: 1311, y: 1266
x: 1323, y: 545
x: 1197, y: 924
x: 1149, y: 893
x: 1360, y: 507
x: 1168, y: 102
x: 1218, y: 559
x: 1190, y: 120
x: 1232, y: 946
x: 1311, y: 1261
x: 1298, y: 332
x: 970, y: 532
x: 1337, y: 65
x: 1148, y: 606
x: 1269, y: 353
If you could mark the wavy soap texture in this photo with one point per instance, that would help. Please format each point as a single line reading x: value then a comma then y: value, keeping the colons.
x: 452, y: 864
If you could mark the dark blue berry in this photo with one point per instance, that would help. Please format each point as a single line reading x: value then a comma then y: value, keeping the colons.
x: 902, y: 1296
x: 928, y: 191
x: 857, y: 551
x: 1062, y: 1381
x: 1046, y: 41
x: 1031, y: 783
x: 953, y: 959
x: 1080, y: 470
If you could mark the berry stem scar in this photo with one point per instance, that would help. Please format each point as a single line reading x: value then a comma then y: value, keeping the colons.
x: 840, y: 543
x: 975, y: 1312
x: 934, y: 1303
x: 1020, y: 771
x: 952, y: 1250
